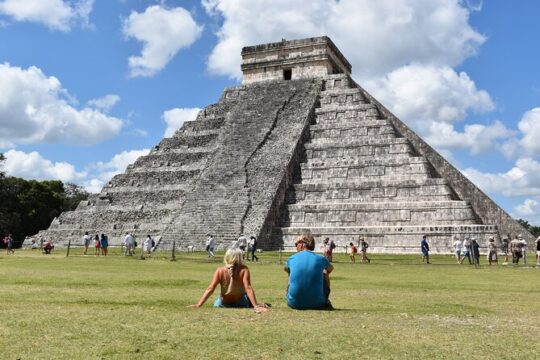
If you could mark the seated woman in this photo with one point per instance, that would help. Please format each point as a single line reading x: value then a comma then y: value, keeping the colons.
x: 235, y: 283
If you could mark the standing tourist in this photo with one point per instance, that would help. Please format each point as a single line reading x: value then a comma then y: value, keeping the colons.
x: 235, y: 282
x: 515, y: 249
x: 466, y: 250
x: 253, y: 248
x: 328, y: 248
x: 86, y: 242
x: 457, y: 248
x: 504, y: 248
x: 492, y: 251
x: 8, y: 241
x: 475, y: 250
x: 128, y: 242
x: 354, y: 250
x: 242, y: 243
x: 104, y: 244
x: 363, y: 250
x: 147, y: 246
x: 523, y: 248
x: 309, y: 281
x: 538, y: 251
x: 425, y: 249
x: 210, y: 244
x: 97, y: 245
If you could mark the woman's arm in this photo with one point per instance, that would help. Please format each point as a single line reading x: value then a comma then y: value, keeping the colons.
x: 215, y: 281
x: 246, y: 281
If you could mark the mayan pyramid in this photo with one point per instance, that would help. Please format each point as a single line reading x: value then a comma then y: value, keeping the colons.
x: 298, y: 146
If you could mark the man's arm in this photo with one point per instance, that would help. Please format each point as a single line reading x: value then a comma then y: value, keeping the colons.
x: 328, y: 270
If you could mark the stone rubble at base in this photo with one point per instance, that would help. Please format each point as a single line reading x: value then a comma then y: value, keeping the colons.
x: 299, y: 146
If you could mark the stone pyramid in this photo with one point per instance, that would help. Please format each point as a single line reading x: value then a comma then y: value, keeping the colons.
x: 298, y: 146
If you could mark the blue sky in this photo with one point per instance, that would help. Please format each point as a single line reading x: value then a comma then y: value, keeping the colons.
x: 88, y: 86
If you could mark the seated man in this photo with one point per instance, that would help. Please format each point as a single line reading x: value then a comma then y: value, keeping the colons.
x: 309, y: 283
x: 48, y: 247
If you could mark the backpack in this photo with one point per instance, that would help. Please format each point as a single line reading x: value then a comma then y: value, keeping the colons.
x: 332, y: 245
x: 153, y: 243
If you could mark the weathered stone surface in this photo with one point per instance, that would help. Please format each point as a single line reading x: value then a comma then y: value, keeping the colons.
x: 276, y: 157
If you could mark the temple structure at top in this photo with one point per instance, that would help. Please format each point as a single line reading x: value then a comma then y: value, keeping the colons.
x: 293, y: 60
x: 299, y: 146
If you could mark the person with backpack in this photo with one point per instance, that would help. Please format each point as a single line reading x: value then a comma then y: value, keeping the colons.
x: 363, y: 250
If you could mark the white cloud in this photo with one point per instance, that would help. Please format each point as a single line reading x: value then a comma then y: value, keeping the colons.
x: 106, y: 170
x: 375, y: 36
x: 528, y: 141
x: 55, y: 14
x: 105, y: 103
x: 35, y: 108
x: 427, y: 93
x: 521, y: 180
x: 33, y: 166
x: 163, y: 33
x: 529, y: 210
x: 476, y: 138
x: 430, y: 99
x: 176, y: 117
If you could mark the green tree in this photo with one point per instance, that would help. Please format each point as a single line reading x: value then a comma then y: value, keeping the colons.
x: 28, y: 206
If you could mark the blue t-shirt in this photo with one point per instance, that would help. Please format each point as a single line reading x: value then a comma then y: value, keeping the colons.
x: 306, y: 284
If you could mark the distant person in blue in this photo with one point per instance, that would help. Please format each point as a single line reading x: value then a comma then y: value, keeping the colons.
x: 425, y: 250
x: 309, y: 281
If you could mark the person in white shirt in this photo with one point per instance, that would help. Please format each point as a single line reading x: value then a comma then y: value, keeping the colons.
x: 457, y: 248
x: 492, y: 251
x: 210, y: 244
x: 523, y: 248
x: 466, y: 250
x: 242, y: 242
x: 148, y: 244
x: 86, y: 242
x: 128, y: 242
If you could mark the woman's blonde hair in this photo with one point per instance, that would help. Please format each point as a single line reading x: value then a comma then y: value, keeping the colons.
x: 233, y: 260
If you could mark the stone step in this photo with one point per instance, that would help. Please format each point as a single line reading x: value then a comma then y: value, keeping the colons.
x: 395, y: 160
x: 347, y: 130
x: 350, y: 111
x: 361, y: 147
x: 191, y: 141
x: 342, y: 97
x: 152, y: 177
x: 204, y: 124
x: 337, y: 81
x: 136, y: 198
x: 328, y: 171
x: 379, y: 213
x: 387, y: 239
x: 182, y: 187
x: 350, y: 124
x: 158, y: 159
x: 370, y: 191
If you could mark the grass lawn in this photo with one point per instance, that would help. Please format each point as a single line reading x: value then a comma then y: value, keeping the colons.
x: 116, y: 307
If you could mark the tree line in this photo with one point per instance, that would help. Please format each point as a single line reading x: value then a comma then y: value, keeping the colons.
x: 27, y: 206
